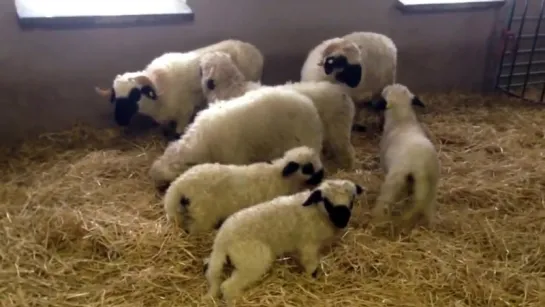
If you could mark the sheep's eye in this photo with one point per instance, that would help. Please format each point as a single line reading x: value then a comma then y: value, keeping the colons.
x: 210, y: 84
x: 308, y: 169
x: 149, y: 92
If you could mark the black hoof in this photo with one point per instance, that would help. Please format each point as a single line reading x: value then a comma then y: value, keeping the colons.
x: 205, y: 268
x: 315, y: 273
x: 359, y: 128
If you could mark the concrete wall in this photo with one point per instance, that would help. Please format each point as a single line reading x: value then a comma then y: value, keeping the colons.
x: 47, y: 77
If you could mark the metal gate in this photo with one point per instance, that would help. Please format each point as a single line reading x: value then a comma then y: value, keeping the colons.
x: 522, y: 64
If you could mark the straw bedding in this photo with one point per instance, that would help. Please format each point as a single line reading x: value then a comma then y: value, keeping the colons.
x: 81, y: 225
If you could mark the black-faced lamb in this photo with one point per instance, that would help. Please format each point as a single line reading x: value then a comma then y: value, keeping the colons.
x: 252, y: 238
x: 206, y: 194
x: 256, y: 127
x: 168, y: 89
x: 408, y: 158
x: 365, y: 62
x: 222, y: 80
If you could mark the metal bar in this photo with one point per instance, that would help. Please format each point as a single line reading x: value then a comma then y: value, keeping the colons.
x: 517, y: 43
x: 502, y: 57
x: 523, y: 51
x: 534, y: 44
x: 525, y: 63
x: 509, y: 93
x: 515, y: 85
x: 528, y: 73
x: 528, y: 18
x: 541, y: 17
x: 529, y: 36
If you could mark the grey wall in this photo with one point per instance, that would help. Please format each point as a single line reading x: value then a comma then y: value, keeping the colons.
x: 47, y: 77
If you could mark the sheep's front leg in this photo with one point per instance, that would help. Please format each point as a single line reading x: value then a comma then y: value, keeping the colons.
x: 310, y: 259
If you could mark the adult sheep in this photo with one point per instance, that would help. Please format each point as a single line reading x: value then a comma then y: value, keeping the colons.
x: 365, y: 62
x: 253, y: 238
x: 168, y: 89
x: 256, y: 127
x: 205, y: 195
x: 408, y: 158
x: 222, y: 80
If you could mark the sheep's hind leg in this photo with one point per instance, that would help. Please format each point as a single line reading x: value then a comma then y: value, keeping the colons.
x: 391, y: 189
x: 251, y: 260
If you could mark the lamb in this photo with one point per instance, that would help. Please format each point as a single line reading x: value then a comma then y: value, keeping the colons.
x: 365, y: 62
x: 168, y: 89
x: 222, y: 80
x: 256, y: 127
x: 252, y: 238
x: 205, y: 195
x: 408, y: 158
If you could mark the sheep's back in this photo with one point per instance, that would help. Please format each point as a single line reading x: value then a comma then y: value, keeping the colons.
x: 260, y: 125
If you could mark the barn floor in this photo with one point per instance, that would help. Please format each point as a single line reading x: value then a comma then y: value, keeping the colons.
x: 82, y: 225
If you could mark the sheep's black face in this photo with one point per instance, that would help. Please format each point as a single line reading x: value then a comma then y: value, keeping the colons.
x: 350, y: 74
x: 334, y: 62
x: 338, y: 214
x: 126, y: 107
x: 307, y: 169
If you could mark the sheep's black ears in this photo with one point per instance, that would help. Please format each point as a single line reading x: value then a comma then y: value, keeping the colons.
x: 290, y: 168
x: 359, y: 189
x: 210, y: 84
x: 339, y: 216
x: 417, y: 102
x: 380, y: 104
x: 134, y: 95
x: 314, y: 198
x: 149, y: 92
x: 351, y: 75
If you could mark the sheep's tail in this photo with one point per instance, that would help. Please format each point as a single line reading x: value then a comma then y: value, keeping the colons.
x: 213, y: 270
x: 422, y: 189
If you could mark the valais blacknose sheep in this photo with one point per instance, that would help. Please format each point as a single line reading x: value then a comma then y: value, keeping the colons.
x: 169, y: 90
x: 256, y: 127
x: 222, y: 80
x: 204, y: 196
x: 365, y: 62
x: 408, y: 158
x: 252, y: 238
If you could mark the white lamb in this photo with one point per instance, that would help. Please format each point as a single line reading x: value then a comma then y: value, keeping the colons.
x: 205, y: 195
x: 222, y: 80
x: 168, y: 89
x: 252, y: 238
x: 256, y: 127
x: 363, y: 61
x: 408, y: 158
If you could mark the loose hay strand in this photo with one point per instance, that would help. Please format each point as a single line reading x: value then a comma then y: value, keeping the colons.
x: 83, y: 226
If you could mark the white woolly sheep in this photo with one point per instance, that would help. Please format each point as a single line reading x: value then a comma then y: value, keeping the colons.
x: 206, y: 194
x: 363, y: 61
x: 222, y: 80
x: 256, y: 127
x: 252, y: 238
x: 408, y: 158
x: 168, y: 89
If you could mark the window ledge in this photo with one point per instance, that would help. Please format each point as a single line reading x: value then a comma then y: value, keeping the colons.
x: 435, y: 6
x: 70, y: 14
